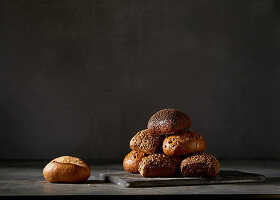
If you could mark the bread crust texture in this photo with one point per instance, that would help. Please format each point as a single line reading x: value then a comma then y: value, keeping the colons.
x: 145, y: 142
x: 66, y: 169
x: 132, y: 160
x: 183, y: 143
x: 200, y: 165
x: 168, y: 121
x: 157, y: 165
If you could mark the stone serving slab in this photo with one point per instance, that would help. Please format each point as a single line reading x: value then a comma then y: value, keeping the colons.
x: 124, y: 179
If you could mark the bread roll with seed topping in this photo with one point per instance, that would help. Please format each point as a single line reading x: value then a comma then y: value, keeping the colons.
x: 157, y: 165
x: 132, y: 160
x: 185, y: 142
x: 67, y: 169
x: 146, y: 142
x: 168, y: 121
x: 200, y: 165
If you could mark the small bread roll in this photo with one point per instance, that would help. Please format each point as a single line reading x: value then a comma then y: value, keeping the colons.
x: 146, y: 142
x: 200, y: 165
x: 132, y: 160
x: 67, y: 169
x: 168, y: 121
x: 185, y: 142
x: 157, y: 165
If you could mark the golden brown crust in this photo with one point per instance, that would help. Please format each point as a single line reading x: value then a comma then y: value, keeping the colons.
x: 168, y: 121
x: 67, y: 169
x: 200, y: 165
x: 146, y: 142
x: 157, y: 165
x: 132, y: 160
x: 183, y: 143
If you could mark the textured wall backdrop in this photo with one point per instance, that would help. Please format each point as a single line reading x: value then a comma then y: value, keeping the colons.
x: 83, y: 77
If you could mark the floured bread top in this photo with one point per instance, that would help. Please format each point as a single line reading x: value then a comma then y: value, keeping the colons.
x: 71, y: 160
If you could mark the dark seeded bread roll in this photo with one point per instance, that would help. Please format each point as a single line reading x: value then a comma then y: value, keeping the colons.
x: 185, y: 142
x: 132, y: 160
x: 157, y: 165
x: 168, y: 121
x: 200, y: 165
x: 146, y: 142
x: 66, y: 169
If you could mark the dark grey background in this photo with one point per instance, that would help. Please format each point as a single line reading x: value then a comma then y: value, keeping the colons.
x: 83, y: 77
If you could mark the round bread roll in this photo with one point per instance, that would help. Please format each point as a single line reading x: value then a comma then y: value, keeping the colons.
x: 67, y: 169
x: 185, y: 142
x: 168, y: 121
x: 157, y: 165
x: 200, y: 165
x: 145, y: 142
x: 132, y: 160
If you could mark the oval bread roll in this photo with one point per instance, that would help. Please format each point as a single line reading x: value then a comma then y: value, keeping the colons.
x: 200, y: 165
x: 132, y: 160
x: 145, y: 142
x: 168, y: 121
x: 185, y: 142
x: 157, y: 165
x: 67, y: 169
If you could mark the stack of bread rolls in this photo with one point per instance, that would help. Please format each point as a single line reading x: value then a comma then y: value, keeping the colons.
x: 168, y: 148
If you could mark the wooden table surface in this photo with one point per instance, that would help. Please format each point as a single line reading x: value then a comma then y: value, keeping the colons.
x: 25, y: 178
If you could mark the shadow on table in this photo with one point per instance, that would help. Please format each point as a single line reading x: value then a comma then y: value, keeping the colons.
x: 272, y: 180
x: 93, y: 182
x: 81, y: 183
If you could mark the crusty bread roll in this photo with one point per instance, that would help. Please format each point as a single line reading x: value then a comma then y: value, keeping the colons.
x: 146, y: 142
x: 67, y: 169
x: 185, y: 142
x: 132, y: 160
x: 200, y: 165
x: 157, y: 165
x: 168, y: 121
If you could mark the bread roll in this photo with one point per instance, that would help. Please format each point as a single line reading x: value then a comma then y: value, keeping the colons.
x: 168, y: 121
x: 200, y: 165
x: 185, y: 142
x: 132, y: 160
x: 146, y: 142
x: 157, y: 165
x: 66, y: 169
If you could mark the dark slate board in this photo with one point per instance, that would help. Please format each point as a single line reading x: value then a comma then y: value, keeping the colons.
x: 124, y: 179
